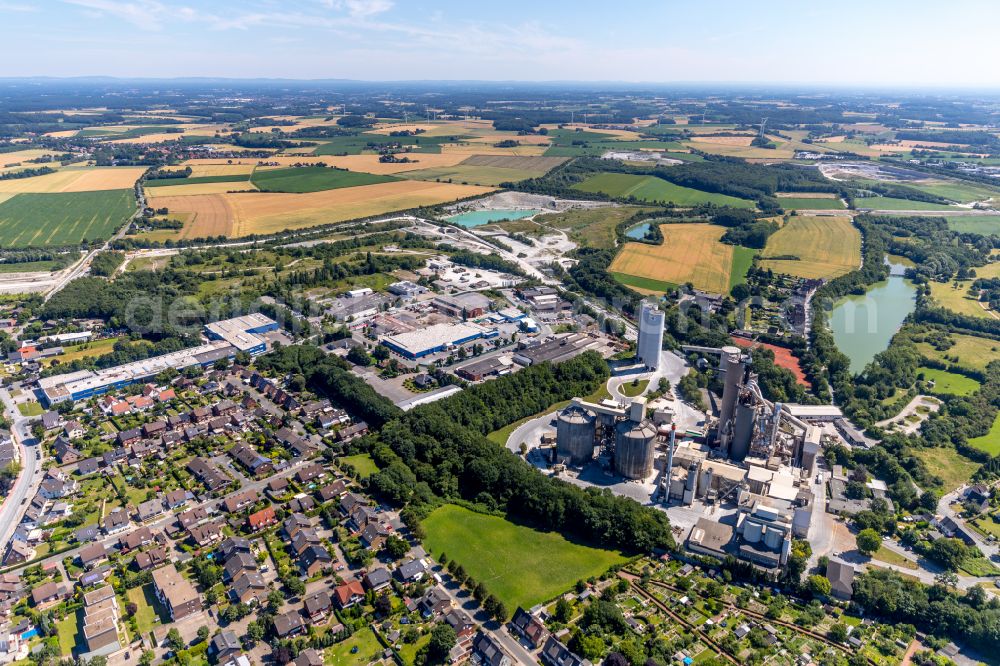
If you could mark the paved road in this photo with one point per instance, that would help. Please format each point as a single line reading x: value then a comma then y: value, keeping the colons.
x: 27, y: 483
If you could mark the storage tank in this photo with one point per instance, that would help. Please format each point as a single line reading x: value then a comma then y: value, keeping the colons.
x: 752, y: 531
x: 635, y: 443
x: 576, y: 430
x: 650, y: 342
x: 773, y: 538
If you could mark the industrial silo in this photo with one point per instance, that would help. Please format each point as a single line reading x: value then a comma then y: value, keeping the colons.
x: 731, y: 368
x: 635, y: 443
x: 575, y: 434
x: 743, y: 431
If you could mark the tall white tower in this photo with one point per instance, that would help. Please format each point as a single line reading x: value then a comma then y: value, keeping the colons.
x: 650, y: 335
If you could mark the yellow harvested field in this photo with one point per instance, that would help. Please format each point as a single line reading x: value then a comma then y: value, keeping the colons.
x: 151, y: 138
x: 203, y: 215
x: 724, y: 140
x: 370, y: 163
x: 619, y: 134
x: 281, y: 161
x: 206, y: 170
x: 22, y: 157
x: 527, y: 140
x: 112, y: 178
x: 242, y: 214
x: 831, y: 139
x: 387, y: 128
x: 6, y: 195
x: 689, y: 253
x: 805, y: 195
x: 76, y: 180
x: 195, y: 189
x: 814, y: 247
x: 62, y: 134
x: 931, y: 144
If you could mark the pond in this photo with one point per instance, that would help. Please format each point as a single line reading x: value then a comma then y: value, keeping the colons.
x: 474, y: 218
x: 864, y: 325
x: 638, y: 232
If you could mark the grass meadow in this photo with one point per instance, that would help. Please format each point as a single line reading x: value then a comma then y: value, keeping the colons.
x: 300, y: 180
x: 519, y: 565
x: 655, y: 190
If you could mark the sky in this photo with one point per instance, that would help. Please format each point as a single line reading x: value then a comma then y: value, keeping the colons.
x: 848, y: 42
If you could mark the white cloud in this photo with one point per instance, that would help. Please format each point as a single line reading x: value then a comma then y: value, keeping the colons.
x: 361, y: 8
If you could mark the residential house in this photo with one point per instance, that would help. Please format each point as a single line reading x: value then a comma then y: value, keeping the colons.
x: 318, y: 606
x: 175, y: 499
x: 224, y: 644
x: 461, y: 622
x: 73, y: 430
x: 288, y: 624
x: 150, y: 509
x: 309, y: 472
x: 175, y: 592
x: 294, y: 523
x: 46, y: 593
x: 208, y: 474
x: 66, y: 453
x: 529, y: 627
x: 188, y: 519
x: 86, y: 534
x: 314, y: 559
x: 373, y: 536
x: 128, y: 437
x: 207, y: 533
x: 331, y: 491
x: 88, y: 466
x: 237, y: 563
x: 362, y: 516
x: 309, y: 657
x: 410, y: 571
x: 51, y: 420
x: 349, y: 501
x: 302, y: 503
x: 555, y: 653
x: 348, y: 594
x: 152, y: 558
x: 240, y: 501
x: 377, y: 579
x: 351, y: 432
x: 251, y: 460
x: 234, y: 545
x: 139, y: 538
x: 488, y: 651
x: 249, y: 587
x: 116, y: 521
x: 841, y: 577
x: 262, y: 519
x: 435, y: 602
x: 92, y: 554
x: 304, y: 538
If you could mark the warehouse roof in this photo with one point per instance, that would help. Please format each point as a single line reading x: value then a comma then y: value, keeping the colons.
x: 437, y: 335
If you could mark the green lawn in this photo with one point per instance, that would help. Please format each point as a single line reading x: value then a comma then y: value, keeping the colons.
x: 519, y: 565
x: 630, y: 390
x: 979, y: 566
x: 949, y: 382
x: 363, y: 463
x: 31, y: 408
x: 312, y: 179
x: 147, y: 608
x: 65, y: 218
x: 892, y: 557
x: 368, y: 649
x: 408, y: 652
x: 639, y: 282
x: 809, y: 203
x: 653, y: 189
x: 889, y: 203
x: 67, y: 629
x: 164, y: 182
x: 501, y: 436
x: 975, y: 224
x: 742, y: 261
x: 990, y: 442
x: 31, y: 266
x: 949, y: 465
x: 970, y: 351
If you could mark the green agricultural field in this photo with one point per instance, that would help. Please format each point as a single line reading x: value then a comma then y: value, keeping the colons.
x: 519, y: 565
x: 968, y: 351
x: 31, y: 267
x: 593, y: 227
x: 488, y: 176
x: 975, y: 224
x: 46, y: 220
x: 644, y: 284
x: 653, y: 189
x: 359, y: 143
x: 809, y: 203
x: 598, y: 148
x: 949, y: 382
x: 312, y: 179
x: 957, y: 191
x: 990, y: 442
x: 742, y: 261
x: 164, y: 182
x: 947, y: 464
x: 889, y: 203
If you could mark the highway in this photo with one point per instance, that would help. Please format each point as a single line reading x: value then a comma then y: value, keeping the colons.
x: 27, y: 483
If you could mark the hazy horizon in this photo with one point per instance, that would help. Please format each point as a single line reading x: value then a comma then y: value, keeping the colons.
x: 852, y: 44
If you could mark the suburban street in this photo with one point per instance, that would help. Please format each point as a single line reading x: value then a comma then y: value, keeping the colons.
x: 27, y: 483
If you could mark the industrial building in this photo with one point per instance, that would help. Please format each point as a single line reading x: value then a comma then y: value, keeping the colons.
x: 627, y: 435
x: 436, y: 338
x: 650, y: 343
x: 406, y: 289
x: 557, y: 349
x: 467, y: 305
x: 228, y: 337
